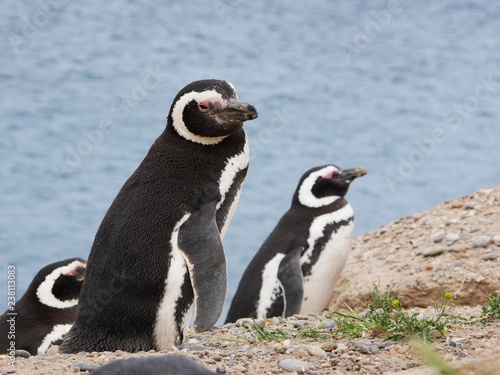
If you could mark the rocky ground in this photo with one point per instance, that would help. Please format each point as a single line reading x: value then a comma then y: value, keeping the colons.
x: 454, y: 247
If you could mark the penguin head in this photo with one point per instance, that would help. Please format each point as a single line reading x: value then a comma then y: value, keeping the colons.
x: 323, y: 185
x: 58, y: 285
x: 208, y: 111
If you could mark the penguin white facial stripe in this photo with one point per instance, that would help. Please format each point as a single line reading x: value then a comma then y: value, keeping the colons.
x: 318, y: 225
x: 165, y: 330
x: 177, y: 115
x: 44, y: 291
x: 307, y: 198
x: 269, y: 283
x: 56, y: 334
x: 234, y: 89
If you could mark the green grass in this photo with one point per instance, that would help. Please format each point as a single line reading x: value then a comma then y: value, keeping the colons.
x: 385, y: 317
x: 491, y: 312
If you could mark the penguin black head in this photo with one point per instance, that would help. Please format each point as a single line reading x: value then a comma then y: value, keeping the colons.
x: 58, y: 285
x: 208, y: 111
x: 323, y: 185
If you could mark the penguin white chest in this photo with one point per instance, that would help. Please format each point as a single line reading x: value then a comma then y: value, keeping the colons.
x: 234, y: 165
x: 329, y: 260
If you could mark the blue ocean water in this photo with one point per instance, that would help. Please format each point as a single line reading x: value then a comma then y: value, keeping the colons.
x: 408, y: 90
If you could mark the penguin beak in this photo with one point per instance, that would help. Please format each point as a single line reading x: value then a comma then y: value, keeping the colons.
x: 239, y: 111
x: 350, y: 174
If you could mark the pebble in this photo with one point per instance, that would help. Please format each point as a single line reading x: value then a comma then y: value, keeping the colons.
x: 482, y: 241
x: 83, y: 366
x: 313, y: 350
x: 329, y: 346
x: 300, y: 367
x: 439, y: 239
x: 221, y: 369
x: 432, y: 252
x: 365, y: 361
x: 22, y: 353
x: 244, y: 322
x: 329, y: 324
x: 496, y: 240
x: 451, y: 238
x: 491, y: 256
x: 54, y: 349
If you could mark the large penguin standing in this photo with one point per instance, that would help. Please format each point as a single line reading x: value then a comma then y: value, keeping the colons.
x: 297, y: 266
x: 158, y: 251
x: 45, y: 313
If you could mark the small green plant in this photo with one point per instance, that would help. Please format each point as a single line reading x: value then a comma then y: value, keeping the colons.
x: 385, y: 317
x: 491, y: 312
x: 316, y: 332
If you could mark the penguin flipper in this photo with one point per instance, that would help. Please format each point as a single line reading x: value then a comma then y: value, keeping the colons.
x: 291, y: 280
x: 201, y: 247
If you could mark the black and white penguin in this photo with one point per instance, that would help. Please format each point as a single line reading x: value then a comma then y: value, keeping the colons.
x: 46, y: 311
x: 161, y: 365
x: 297, y: 266
x: 158, y: 250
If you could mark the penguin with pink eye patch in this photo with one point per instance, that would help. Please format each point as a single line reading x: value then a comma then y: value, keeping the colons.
x: 46, y: 312
x: 297, y: 266
x: 158, y: 253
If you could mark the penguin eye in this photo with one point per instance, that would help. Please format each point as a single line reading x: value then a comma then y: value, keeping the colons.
x: 203, y: 106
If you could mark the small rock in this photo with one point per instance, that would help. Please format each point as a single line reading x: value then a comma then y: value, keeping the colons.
x: 365, y: 361
x: 22, y: 353
x: 432, y: 252
x: 451, y: 238
x: 496, y: 240
x: 364, y: 349
x: 439, y: 239
x: 313, y: 350
x: 221, y: 369
x: 491, y: 256
x: 329, y: 324
x: 83, y: 366
x: 482, y: 241
x: 456, y: 204
x: 329, y: 346
x: 298, y: 325
x: 374, y: 349
x: 217, y: 357
x: 8, y: 371
x: 239, y: 369
x: 279, y: 348
x: 54, y: 349
x: 244, y: 322
x: 300, y: 367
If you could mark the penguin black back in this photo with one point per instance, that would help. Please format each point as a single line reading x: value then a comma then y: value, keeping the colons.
x: 161, y: 365
x: 47, y: 309
x: 138, y: 291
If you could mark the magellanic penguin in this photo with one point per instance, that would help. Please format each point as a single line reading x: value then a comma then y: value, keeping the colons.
x: 46, y: 311
x: 159, y: 365
x: 158, y: 250
x: 297, y: 266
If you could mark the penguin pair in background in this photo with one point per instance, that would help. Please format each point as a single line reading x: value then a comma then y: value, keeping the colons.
x: 297, y: 266
x: 158, y: 252
x: 46, y: 311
